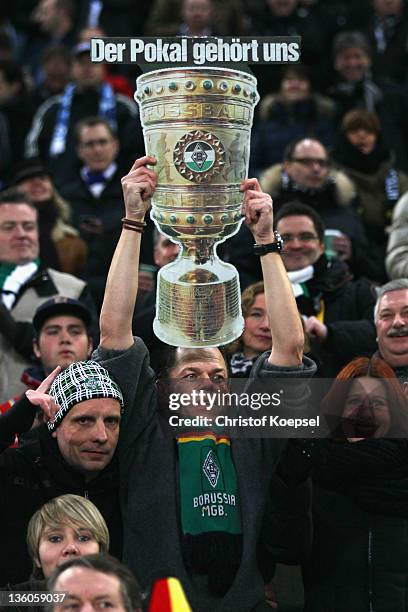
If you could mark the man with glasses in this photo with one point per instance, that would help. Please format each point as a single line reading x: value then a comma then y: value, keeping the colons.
x: 338, y: 312
x: 306, y: 175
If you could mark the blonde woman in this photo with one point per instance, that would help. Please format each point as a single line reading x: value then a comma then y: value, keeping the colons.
x: 65, y: 527
x: 256, y: 337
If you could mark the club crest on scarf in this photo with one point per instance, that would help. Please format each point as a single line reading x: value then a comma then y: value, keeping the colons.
x: 211, y: 468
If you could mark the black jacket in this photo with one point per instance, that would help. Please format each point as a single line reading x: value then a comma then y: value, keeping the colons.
x: 335, y: 201
x: 108, y: 209
x: 348, y: 314
x: 335, y: 215
x: 32, y: 475
x: 358, y: 560
x: 389, y: 65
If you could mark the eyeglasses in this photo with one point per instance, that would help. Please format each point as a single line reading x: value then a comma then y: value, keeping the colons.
x: 101, y: 142
x: 302, y: 237
x: 309, y: 161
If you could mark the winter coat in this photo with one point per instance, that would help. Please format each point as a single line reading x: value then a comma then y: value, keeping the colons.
x: 336, y: 204
x: 18, y: 112
x: 347, y: 309
x: 397, y: 249
x: 359, y: 558
x: 108, y: 209
x: 32, y: 475
x: 389, y: 64
x: 360, y: 528
x: 394, y: 123
x: 379, y: 185
x: 281, y: 122
x: 348, y: 96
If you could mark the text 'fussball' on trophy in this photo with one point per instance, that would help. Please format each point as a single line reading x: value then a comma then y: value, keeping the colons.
x: 197, y: 123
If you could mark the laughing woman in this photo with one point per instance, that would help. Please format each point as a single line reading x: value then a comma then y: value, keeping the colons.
x: 256, y: 337
x: 360, y: 495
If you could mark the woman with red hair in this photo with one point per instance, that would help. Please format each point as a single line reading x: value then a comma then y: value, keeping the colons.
x: 366, y: 400
x: 359, y: 558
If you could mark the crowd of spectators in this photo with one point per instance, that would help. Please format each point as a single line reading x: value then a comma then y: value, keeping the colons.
x: 329, y: 147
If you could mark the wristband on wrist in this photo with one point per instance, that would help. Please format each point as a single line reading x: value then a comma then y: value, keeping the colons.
x: 135, y: 226
x: 272, y: 247
x: 133, y: 222
x: 139, y: 230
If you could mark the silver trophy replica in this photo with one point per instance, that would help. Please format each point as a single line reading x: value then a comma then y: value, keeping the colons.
x: 197, y: 123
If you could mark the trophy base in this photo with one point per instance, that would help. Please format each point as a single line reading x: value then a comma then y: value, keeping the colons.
x: 198, y: 306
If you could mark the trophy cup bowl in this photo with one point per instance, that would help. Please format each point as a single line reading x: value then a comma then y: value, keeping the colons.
x: 197, y: 123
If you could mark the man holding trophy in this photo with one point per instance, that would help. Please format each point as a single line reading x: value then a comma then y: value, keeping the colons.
x: 193, y: 505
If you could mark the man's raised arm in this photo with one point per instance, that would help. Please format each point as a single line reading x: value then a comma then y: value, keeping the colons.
x: 286, y: 327
x: 121, y: 286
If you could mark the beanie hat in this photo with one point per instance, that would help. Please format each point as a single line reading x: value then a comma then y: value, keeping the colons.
x: 81, y: 381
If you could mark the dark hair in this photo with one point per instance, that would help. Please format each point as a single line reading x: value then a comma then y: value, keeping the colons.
x: 334, y: 401
x: 350, y: 40
x: 92, y: 121
x: 129, y: 587
x: 294, y: 208
x: 361, y: 119
x: 15, y: 196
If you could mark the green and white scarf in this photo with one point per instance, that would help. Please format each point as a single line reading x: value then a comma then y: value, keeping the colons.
x: 12, y: 278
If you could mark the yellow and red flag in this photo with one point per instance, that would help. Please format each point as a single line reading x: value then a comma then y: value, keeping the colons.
x: 168, y: 596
